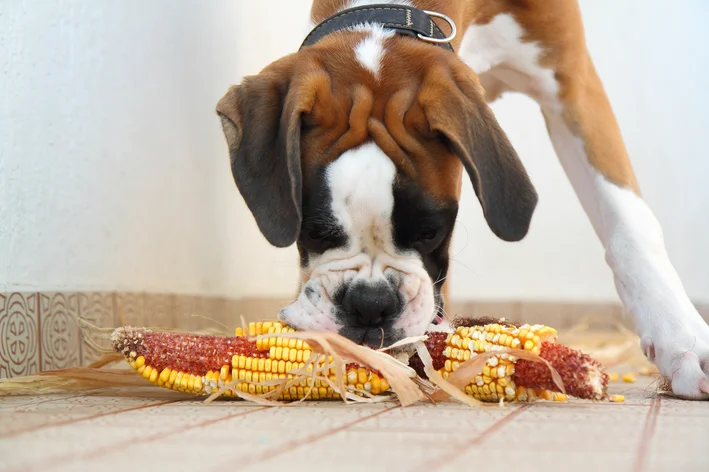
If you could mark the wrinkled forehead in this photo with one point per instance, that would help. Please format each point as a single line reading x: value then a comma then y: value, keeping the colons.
x: 367, y: 92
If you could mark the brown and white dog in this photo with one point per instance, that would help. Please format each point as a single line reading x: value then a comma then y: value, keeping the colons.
x: 355, y: 146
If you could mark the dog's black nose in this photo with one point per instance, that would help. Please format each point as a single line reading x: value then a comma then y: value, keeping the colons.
x: 368, y: 305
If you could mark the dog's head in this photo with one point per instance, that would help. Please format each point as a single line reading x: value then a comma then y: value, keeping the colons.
x: 354, y: 149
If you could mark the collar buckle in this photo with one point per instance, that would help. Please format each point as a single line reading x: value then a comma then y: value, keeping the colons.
x: 447, y: 19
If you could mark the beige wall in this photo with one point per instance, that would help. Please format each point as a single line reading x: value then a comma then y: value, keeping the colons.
x: 114, y: 173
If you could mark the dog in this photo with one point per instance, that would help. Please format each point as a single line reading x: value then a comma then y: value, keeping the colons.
x: 355, y: 149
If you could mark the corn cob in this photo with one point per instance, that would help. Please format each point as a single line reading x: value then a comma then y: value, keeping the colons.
x: 506, y: 376
x: 203, y: 364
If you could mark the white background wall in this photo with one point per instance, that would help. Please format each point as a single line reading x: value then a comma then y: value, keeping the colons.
x: 114, y: 173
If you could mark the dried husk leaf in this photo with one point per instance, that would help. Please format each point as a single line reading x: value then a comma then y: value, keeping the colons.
x: 70, y: 380
x: 342, y: 350
x: 404, y: 342
x: 449, y: 389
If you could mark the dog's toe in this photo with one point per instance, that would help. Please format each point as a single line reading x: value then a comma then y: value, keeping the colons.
x: 688, y: 379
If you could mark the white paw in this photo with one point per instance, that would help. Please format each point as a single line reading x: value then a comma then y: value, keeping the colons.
x: 682, y: 356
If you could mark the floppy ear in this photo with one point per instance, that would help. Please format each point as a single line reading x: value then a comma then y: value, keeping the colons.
x: 454, y: 106
x: 261, y: 123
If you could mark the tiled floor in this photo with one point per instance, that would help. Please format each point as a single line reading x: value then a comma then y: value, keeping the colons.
x: 156, y: 430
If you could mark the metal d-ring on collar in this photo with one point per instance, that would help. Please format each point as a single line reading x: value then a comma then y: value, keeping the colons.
x: 401, y: 19
x: 445, y: 18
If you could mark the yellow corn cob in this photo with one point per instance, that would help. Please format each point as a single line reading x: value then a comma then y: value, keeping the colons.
x: 496, y: 380
x: 205, y: 367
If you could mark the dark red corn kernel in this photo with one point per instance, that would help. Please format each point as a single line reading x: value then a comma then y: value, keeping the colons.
x: 183, y: 352
x: 583, y: 377
x: 436, y: 344
x: 482, y: 321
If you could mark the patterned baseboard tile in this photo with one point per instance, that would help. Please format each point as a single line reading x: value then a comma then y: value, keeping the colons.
x: 19, y: 335
x: 40, y: 331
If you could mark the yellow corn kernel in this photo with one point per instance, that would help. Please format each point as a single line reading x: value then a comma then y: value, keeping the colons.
x: 616, y: 398
x: 629, y: 377
x: 178, y: 380
x: 376, y: 384
x: 385, y: 385
x: 164, y: 376
x: 613, y: 376
x: 361, y: 375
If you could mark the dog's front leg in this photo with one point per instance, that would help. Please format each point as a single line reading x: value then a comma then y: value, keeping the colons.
x: 588, y: 142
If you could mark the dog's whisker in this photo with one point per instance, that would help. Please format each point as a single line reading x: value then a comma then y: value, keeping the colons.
x: 463, y: 264
x: 440, y: 280
x: 467, y: 238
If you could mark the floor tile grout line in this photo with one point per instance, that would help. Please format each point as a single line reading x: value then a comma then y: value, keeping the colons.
x: 437, y: 463
x: 124, y: 445
x: 85, y: 418
x: 646, y: 436
x: 294, y: 444
x: 21, y: 409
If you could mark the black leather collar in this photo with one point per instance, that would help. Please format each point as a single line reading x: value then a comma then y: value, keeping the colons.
x: 402, y: 19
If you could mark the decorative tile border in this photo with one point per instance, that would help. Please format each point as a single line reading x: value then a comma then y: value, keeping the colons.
x: 40, y: 331
x: 19, y: 335
x: 60, y: 339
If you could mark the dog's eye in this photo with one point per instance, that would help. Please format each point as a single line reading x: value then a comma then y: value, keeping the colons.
x: 321, y: 235
x: 321, y: 239
x: 428, y: 239
x: 428, y: 235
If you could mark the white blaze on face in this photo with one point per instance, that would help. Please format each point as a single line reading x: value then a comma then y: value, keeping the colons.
x: 361, y: 184
x: 370, y: 51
